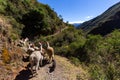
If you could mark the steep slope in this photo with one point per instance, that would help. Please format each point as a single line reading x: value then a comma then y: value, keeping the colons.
x: 32, y: 18
x: 10, y: 55
x: 104, y: 23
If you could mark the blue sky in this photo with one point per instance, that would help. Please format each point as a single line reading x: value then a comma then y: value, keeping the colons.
x: 75, y: 11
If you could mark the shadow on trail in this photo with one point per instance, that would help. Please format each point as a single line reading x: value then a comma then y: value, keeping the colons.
x: 52, y: 68
x: 44, y: 63
x: 24, y: 74
x: 25, y: 59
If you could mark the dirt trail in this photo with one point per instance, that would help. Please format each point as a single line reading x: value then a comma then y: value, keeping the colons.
x: 57, y: 32
x: 64, y: 71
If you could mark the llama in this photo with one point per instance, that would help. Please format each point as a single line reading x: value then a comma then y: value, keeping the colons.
x: 43, y: 51
x: 23, y: 42
x: 41, y: 48
x: 20, y: 43
x: 30, y: 48
x: 36, y: 59
x: 50, y: 52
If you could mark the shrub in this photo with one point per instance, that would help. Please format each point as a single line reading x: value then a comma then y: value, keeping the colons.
x: 5, y: 56
x: 96, y: 72
x: 75, y: 61
x: 63, y: 51
x: 91, y: 47
x: 112, y: 72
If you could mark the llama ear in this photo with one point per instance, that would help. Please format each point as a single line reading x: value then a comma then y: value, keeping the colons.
x: 40, y: 43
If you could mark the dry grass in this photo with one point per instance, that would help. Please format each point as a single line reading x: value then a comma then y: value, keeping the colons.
x: 6, y: 56
x: 11, y: 63
x: 70, y: 70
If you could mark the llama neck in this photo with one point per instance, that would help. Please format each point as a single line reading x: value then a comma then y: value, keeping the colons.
x: 48, y: 45
x: 41, y: 48
x: 28, y: 46
x: 26, y: 39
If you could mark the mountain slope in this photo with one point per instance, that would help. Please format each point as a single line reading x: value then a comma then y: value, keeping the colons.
x: 105, y: 23
x: 32, y: 18
x: 76, y: 24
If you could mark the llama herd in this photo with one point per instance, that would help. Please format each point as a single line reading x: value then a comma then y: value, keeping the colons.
x: 37, y: 53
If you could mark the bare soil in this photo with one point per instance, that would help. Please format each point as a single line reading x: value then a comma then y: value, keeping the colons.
x: 64, y: 71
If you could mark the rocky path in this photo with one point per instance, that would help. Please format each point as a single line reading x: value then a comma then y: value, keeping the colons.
x: 64, y: 71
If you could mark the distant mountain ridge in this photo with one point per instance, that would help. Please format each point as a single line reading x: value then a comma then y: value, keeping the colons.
x: 76, y: 24
x: 104, y: 23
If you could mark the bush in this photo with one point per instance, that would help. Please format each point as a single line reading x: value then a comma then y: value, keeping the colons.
x: 75, y: 61
x: 91, y: 47
x: 104, y: 57
x: 111, y: 72
x: 6, y: 56
x: 96, y: 72
x: 63, y: 51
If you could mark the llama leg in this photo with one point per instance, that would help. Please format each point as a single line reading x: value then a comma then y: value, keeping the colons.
x: 37, y: 66
x: 50, y: 59
x: 41, y: 62
x: 32, y: 68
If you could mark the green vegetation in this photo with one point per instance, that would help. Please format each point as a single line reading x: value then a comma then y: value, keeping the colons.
x: 30, y: 18
x: 99, y: 55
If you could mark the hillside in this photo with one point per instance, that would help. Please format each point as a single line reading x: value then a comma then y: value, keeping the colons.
x: 104, y: 23
x: 78, y: 56
x: 76, y: 24
x: 31, y: 18
x: 20, y: 19
x: 99, y: 55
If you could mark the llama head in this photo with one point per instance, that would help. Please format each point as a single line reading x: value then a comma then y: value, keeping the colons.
x: 26, y: 39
